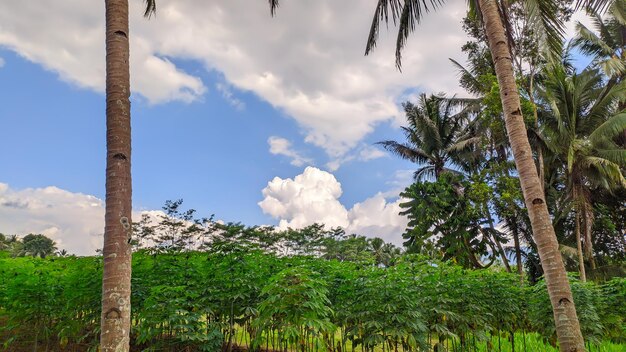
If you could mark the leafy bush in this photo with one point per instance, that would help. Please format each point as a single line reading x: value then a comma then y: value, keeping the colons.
x: 200, y: 301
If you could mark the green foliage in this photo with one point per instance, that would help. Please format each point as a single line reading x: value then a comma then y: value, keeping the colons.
x: 588, y: 299
x: 448, y: 213
x: 35, y: 245
x: 294, y: 305
x: 211, y: 301
x: 612, y: 309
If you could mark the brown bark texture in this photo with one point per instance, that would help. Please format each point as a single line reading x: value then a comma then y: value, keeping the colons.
x: 567, y: 326
x: 518, y: 255
x: 588, y: 223
x: 115, y: 318
x: 579, y: 248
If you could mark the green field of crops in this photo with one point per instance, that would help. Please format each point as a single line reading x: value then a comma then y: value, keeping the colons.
x: 211, y: 301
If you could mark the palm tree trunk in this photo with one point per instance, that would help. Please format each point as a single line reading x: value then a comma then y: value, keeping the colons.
x: 566, y: 320
x: 540, y: 166
x: 115, y: 319
x: 579, y: 248
x: 518, y: 254
x: 501, y: 251
x: 588, y: 222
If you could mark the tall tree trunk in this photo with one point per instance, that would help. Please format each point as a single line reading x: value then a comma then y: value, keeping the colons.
x: 115, y: 319
x: 505, y: 260
x: 540, y: 166
x: 518, y: 250
x: 588, y: 222
x: 566, y: 321
x: 579, y: 247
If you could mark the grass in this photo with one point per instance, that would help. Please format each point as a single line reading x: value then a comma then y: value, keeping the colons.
x: 524, y: 342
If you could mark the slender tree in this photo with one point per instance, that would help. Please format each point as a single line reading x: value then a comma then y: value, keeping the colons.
x: 117, y: 250
x: 607, y: 44
x: 581, y: 124
x: 115, y: 318
x: 407, y: 13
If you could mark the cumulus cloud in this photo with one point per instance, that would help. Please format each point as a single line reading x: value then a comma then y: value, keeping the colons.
x: 307, y: 61
x: 281, y: 146
x: 74, y: 220
x: 313, y: 197
x: 375, y: 216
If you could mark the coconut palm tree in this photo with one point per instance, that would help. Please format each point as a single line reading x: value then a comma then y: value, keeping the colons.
x: 581, y: 123
x: 438, y: 135
x: 407, y: 14
x: 115, y: 318
x: 606, y: 41
x: 376, y: 249
x: 608, y: 46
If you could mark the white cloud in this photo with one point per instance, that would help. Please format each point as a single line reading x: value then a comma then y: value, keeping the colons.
x: 375, y: 216
x: 67, y: 37
x: 1, y: 62
x: 401, y: 179
x: 281, y: 146
x: 361, y: 153
x: 371, y: 153
x: 307, y: 61
x: 74, y: 220
x: 227, y: 93
x: 313, y: 197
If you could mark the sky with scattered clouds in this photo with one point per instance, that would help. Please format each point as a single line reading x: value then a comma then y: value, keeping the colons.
x: 251, y: 118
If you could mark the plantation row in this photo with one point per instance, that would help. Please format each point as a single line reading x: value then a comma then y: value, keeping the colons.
x: 210, y: 301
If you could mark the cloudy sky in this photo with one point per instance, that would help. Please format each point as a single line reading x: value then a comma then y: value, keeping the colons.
x: 251, y: 118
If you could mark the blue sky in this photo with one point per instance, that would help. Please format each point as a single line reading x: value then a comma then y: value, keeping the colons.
x: 208, y: 152
x: 254, y: 119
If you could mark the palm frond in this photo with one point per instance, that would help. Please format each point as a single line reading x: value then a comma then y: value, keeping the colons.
x: 464, y: 144
x: 383, y: 7
x: 423, y: 173
x: 468, y: 80
x: 407, y: 14
x: 150, y: 8
x: 406, y: 151
x: 590, y: 43
x: 617, y: 156
x: 549, y: 29
x: 599, y: 6
x: 412, y: 136
x: 612, y: 67
x: 609, y: 96
x: 428, y: 127
x: 609, y: 129
x: 610, y: 172
x: 407, y: 23
x: 618, y: 12
x: 273, y: 6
